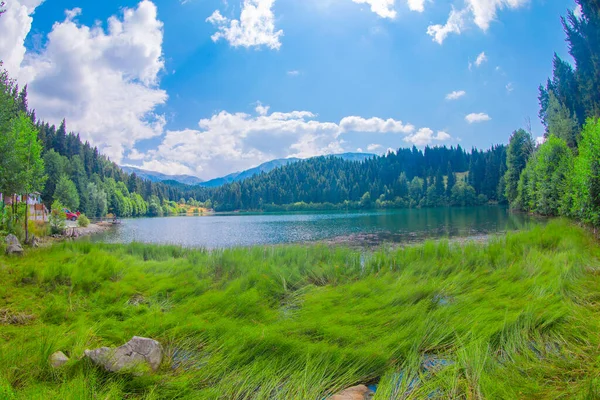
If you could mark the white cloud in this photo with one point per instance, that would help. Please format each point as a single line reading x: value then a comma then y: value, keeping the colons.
x: 455, y: 95
x: 540, y: 140
x: 256, y: 26
x: 510, y: 87
x: 359, y: 124
x: 293, y: 73
x: 262, y: 110
x: 578, y: 11
x: 416, y: 5
x: 167, y: 167
x: 102, y: 82
x: 425, y: 136
x: 481, y: 58
x: 228, y: 142
x: 373, y: 147
x: 134, y: 154
x: 477, y: 117
x: 383, y: 8
x: 482, y: 13
x: 455, y: 24
x: 15, y: 24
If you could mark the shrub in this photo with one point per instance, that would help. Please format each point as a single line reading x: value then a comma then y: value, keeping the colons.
x: 38, y: 228
x: 57, y: 219
x: 83, y: 221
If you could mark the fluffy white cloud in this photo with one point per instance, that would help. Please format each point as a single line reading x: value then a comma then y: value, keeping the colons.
x: 416, y: 5
x: 477, y: 117
x: 383, y: 8
x: 455, y: 24
x: 455, y: 95
x: 228, y: 142
x: 481, y: 58
x: 482, y: 13
x: 102, y: 82
x: 14, y: 27
x: 359, y: 124
x: 167, y: 167
x: 293, y: 73
x: 256, y: 26
x: 578, y: 11
x: 425, y: 136
x: 373, y: 147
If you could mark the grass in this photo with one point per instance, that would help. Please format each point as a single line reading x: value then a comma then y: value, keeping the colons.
x: 518, y: 318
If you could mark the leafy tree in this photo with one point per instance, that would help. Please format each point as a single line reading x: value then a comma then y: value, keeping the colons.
x: 585, y: 181
x: 97, y: 202
x: 66, y: 193
x: 519, y: 149
x: 365, y: 200
x: 463, y: 194
x: 553, y: 164
x: 28, y: 150
x: 57, y: 219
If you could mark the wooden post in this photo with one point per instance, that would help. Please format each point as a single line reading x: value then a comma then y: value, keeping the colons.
x: 26, y: 218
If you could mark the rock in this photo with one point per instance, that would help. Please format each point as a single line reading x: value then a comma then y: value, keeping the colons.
x: 360, y: 392
x: 58, y: 359
x: 138, y: 352
x: 12, y: 239
x: 12, y: 245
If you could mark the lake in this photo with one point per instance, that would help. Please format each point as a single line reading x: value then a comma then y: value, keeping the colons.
x: 351, y: 228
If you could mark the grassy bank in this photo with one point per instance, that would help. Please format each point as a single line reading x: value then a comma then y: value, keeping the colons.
x: 516, y: 318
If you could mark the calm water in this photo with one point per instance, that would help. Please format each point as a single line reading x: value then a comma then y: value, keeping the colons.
x: 353, y: 228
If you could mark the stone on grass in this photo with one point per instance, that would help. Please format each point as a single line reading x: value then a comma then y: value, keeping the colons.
x: 58, y: 359
x: 360, y: 392
x: 134, y: 356
x: 12, y: 245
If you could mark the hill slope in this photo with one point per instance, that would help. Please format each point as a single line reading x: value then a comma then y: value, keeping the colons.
x: 154, y: 176
x: 273, y: 164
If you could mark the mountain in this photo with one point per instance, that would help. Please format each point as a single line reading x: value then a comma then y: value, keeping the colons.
x: 159, y: 177
x: 271, y: 165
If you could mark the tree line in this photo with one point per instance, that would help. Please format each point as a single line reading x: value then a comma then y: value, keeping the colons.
x: 562, y: 175
x: 433, y: 177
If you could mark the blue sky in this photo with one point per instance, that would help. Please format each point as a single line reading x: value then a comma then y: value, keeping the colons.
x: 208, y: 87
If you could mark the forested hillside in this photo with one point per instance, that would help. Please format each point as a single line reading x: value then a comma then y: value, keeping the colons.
x: 562, y: 176
x: 437, y: 176
x: 74, y: 172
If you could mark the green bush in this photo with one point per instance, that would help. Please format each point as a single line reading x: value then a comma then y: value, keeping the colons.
x: 57, y: 219
x: 83, y: 221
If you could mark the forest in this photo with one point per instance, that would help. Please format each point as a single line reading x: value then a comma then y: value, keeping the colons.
x: 561, y: 177
x: 433, y: 177
x: 558, y: 177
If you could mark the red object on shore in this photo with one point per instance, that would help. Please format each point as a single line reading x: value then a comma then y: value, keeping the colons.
x: 71, y: 216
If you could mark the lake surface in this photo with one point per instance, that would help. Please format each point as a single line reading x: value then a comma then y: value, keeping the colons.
x: 352, y: 228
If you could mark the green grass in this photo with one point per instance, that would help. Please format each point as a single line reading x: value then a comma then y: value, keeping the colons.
x: 516, y: 318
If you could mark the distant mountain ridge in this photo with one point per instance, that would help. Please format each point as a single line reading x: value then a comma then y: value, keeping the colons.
x: 154, y: 176
x: 236, y: 176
